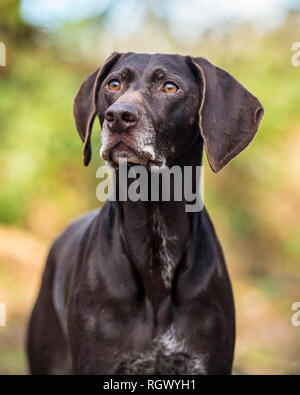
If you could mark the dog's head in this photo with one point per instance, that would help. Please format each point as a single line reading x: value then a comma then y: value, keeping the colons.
x: 152, y: 107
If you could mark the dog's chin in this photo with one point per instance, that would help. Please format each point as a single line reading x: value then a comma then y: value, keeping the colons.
x: 119, y: 157
x: 122, y: 154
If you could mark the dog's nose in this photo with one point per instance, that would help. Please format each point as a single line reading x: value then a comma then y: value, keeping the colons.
x: 121, y: 116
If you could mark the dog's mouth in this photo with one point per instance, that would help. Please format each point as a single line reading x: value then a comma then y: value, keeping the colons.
x: 122, y: 153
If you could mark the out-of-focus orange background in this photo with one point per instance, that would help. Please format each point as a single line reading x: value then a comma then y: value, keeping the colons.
x: 51, y: 46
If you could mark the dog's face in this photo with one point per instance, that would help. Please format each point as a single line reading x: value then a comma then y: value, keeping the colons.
x: 153, y: 107
x: 148, y: 109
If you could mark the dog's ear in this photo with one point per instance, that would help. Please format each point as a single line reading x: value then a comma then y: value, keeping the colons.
x: 229, y: 114
x: 85, y: 104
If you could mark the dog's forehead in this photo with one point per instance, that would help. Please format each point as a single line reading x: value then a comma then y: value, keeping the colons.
x: 146, y: 63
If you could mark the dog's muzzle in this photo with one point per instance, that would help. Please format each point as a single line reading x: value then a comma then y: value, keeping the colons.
x: 123, y: 153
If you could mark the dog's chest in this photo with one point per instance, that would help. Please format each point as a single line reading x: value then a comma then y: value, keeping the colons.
x: 167, y: 355
x: 161, y: 252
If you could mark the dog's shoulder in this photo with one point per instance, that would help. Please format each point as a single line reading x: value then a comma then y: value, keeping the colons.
x: 74, y: 232
x: 63, y: 258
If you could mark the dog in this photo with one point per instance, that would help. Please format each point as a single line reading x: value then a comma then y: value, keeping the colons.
x: 142, y: 287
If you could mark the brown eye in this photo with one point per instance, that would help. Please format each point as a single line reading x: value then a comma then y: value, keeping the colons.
x: 114, y: 85
x: 170, y: 87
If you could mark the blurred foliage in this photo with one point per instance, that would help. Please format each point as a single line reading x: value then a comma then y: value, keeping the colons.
x: 12, y: 27
x: 254, y: 201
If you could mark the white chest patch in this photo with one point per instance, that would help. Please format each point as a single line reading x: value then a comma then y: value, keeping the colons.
x: 168, y: 355
x: 167, y: 261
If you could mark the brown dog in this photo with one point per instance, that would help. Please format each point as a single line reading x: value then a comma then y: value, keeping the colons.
x: 142, y: 287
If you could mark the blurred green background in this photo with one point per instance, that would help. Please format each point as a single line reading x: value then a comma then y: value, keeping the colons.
x: 51, y: 46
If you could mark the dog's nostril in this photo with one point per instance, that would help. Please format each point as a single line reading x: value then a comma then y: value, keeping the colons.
x: 129, y: 117
x: 121, y: 116
x: 109, y: 116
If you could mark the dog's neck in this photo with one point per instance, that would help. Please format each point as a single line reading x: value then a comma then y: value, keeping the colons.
x: 156, y: 234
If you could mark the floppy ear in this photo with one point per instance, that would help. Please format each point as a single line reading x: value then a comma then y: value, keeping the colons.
x: 85, y: 104
x: 229, y: 114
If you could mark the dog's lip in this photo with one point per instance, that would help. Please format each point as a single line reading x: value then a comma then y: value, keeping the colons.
x: 121, y: 152
x: 124, y: 153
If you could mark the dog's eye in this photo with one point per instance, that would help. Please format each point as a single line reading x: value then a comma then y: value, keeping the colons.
x: 170, y: 87
x: 114, y: 85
